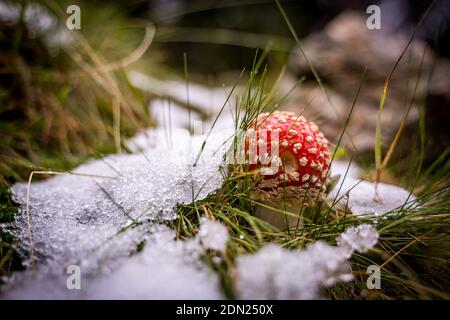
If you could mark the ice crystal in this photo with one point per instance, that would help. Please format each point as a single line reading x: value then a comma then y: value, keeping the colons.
x: 166, y: 269
x: 101, y: 212
x: 360, y: 239
x: 213, y: 235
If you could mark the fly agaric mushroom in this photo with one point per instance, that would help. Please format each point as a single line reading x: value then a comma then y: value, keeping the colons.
x: 292, y: 158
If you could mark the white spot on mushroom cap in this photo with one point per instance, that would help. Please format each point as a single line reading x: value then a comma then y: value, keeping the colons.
x: 294, y: 175
x: 303, y: 161
x: 267, y: 171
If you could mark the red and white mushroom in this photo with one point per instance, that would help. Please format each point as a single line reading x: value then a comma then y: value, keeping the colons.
x: 292, y: 158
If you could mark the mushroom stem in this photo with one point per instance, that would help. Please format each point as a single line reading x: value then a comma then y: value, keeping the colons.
x: 276, y: 216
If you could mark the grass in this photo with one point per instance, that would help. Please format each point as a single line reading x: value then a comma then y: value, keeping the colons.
x: 379, y: 163
x: 81, y: 110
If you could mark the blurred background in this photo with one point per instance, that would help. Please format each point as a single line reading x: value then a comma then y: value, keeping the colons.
x: 66, y: 95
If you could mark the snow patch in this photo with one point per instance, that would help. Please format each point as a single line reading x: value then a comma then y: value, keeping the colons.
x: 358, y: 195
x: 213, y: 235
x: 209, y: 100
x: 96, y: 221
x: 277, y: 273
x: 360, y: 239
x: 172, y: 115
x: 339, y: 167
x: 166, y: 269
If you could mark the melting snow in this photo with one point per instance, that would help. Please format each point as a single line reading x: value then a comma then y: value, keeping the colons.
x: 209, y: 100
x: 358, y: 195
x: 172, y: 115
x: 213, y: 235
x: 166, y: 269
x: 171, y: 269
x: 360, y: 239
x: 95, y: 221
x: 339, y: 167
x: 277, y: 273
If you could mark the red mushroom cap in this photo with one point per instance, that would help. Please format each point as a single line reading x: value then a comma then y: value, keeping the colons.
x: 298, y: 168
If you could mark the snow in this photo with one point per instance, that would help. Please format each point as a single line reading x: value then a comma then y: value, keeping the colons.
x: 213, y: 235
x: 277, y: 273
x: 97, y: 221
x: 74, y: 214
x: 340, y: 167
x: 170, y: 267
x: 100, y: 214
x: 172, y: 115
x: 360, y: 239
x: 205, y: 103
x: 170, y: 271
x: 357, y: 195
x: 208, y: 100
